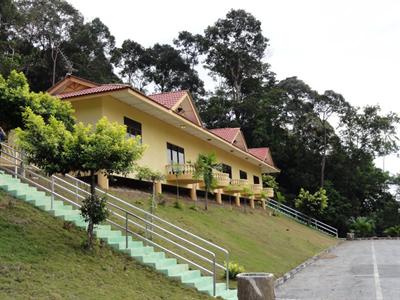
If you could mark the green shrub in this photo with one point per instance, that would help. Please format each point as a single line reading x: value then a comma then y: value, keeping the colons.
x: 234, y: 270
x: 178, y: 205
x: 363, y: 227
x: 392, y: 231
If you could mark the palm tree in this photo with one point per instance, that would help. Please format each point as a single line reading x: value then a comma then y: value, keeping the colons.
x: 204, y: 167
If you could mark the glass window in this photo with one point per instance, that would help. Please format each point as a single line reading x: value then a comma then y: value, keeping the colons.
x: 175, y: 154
x: 243, y: 174
x: 227, y: 169
x: 256, y: 180
x: 133, y: 128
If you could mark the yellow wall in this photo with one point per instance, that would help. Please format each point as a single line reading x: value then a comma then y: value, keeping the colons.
x: 156, y: 134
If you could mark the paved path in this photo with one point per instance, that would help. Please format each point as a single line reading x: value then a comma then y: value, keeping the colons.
x: 357, y: 270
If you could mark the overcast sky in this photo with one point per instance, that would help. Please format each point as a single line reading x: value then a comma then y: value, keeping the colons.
x: 351, y: 47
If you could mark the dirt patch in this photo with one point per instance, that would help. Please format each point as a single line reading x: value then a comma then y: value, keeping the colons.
x: 327, y: 256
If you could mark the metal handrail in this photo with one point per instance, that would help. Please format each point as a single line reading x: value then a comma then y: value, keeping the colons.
x: 54, y: 182
x: 303, y: 218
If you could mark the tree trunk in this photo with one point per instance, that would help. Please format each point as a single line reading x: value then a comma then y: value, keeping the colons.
x: 54, y: 57
x: 206, y: 204
x: 91, y: 225
x: 323, y: 162
x: 90, y: 235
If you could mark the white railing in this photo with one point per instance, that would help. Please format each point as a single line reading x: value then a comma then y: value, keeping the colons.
x: 134, y: 221
x: 302, y: 218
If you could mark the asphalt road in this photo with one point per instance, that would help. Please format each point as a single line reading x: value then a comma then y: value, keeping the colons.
x: 356, y: 270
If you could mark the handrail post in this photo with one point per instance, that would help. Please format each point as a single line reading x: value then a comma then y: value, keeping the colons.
x: 52, y: 192
x: 227, y: 271
x: 214, y: 277
x: 77, y: 190
x: 126, y: 230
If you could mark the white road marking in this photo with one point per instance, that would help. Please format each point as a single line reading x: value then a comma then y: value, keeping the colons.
x: 378, y: 289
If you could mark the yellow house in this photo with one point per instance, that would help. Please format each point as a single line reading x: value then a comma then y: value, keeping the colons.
x: 170, y: 125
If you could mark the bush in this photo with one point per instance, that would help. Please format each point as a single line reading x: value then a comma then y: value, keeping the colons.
x: 363, y: 227
x: 178, y: 205
x: 234, y: 270
x: 392, y: 231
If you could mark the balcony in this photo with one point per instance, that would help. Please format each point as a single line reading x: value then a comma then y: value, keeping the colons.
x: 236, y: 186
x: 181, y: 174
x: 269, y: 192
x: 222, y: 180
x: 256, y: 189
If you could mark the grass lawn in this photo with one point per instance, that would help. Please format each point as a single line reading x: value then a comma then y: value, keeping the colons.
x: 256, y: 239
x: 40, y: 259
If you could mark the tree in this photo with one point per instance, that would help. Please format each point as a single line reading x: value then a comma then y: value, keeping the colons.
x: 47, y: 24
x: 367, y: 131
x: 325, y: 106
x: 16, y: 97
x: 166, y: 68
x: 234, y: 48
x: 154, y: 176
x: 312, y: 204
x: 205, y: 165
x: 103, y: 148
x: 189, y: 46
x: 362, y: 226
x: 130, y: 58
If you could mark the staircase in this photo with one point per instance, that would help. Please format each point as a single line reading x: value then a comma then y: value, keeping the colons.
x: 152, y: 241
x: 302, y: 218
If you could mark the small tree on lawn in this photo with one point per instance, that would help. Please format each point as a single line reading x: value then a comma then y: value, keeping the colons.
x: 204, y: 167
x: 102, y: 148
x: 154, y: 176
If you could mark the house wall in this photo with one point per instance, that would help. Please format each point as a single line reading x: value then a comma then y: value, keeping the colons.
x: 156, y: 134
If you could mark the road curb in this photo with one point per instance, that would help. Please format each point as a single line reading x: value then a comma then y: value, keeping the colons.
x: 300, y: 267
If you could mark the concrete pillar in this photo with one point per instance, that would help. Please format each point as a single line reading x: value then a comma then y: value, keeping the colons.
x: 102, y: 181
x: 193, y: 192
x: 256, y: 286
x: 263, y: 204
x: 158, y: 187
x: 218, y: 196
x: 237, y: 199
x: 252, y: 202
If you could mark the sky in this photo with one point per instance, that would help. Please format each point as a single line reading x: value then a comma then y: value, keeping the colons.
x: 351, y: 47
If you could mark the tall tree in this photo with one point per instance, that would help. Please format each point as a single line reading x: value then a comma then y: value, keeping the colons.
x: 46, y: 25
x: 234, y: 49
x: 325, y: 106
x: 130, y: 58
x: 169, y: 71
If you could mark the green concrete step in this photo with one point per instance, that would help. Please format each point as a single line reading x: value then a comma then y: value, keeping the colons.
x: 173, y: 270
x: 187, y: 276
x: 115, y: 238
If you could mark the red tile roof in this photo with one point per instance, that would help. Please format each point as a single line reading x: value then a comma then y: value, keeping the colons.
x: 95, y: 90
x: 228, y: 134
x: 168, y: 99
x: 262, y: 153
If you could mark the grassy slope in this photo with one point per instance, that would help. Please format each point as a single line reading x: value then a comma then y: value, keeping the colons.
x: 258, y: 241
x: 39, y: 259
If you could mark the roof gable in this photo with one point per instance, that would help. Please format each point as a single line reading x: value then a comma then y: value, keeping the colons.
x: 262, y: 153
x: 71, y: 84
x: 231, y: 135
x: 181, y: 102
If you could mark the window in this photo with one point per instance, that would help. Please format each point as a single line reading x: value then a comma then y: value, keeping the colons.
x: 243, y: 174
x: 175, y: 154
x: 133, y: 128
x: 256, y: 180
x: 227, y: 169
